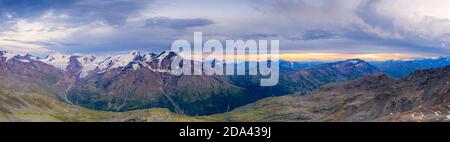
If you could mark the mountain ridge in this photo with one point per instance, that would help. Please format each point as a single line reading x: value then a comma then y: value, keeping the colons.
x: 350, y: 90
x: 422, y: 96
x: 400, y: 69
x: 138, y: 81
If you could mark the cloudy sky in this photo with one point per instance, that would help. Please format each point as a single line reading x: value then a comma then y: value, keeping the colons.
x: 307, y: 29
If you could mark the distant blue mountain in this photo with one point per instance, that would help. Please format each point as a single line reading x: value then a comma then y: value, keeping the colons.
x: 287, y: 66
x: 401, y: 69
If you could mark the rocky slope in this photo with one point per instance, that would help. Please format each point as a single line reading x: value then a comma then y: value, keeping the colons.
x: 422, y: 96
x: 22, y: 73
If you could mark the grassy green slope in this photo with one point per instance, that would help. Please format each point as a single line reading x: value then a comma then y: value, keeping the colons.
x: 18, y: 107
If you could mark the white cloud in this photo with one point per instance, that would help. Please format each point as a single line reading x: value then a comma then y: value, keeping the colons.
x: 394, y: 19
x: 19, y: 47
x: 386, y: 25
x: 39, y: 34
x: 426, y: 19
x: 24, y: 34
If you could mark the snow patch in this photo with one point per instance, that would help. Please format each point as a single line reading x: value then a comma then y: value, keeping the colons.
x: 102, y: 64
x: 8, y: 55
x: 24, y: 60
x: 124, y: 60
x: 97, y: 64
x: 92, y: 63
x: 135, y: 66
x: 59, y: 61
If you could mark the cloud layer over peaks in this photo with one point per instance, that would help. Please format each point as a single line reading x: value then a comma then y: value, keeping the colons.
x: 405, y: 27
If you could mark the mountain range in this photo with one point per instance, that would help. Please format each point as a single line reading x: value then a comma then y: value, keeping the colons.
x: 138, y: 81
x: 122, y: 87
x: 421, y: 96
x: 399, y: 69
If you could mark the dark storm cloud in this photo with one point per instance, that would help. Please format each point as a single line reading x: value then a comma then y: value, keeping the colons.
x: 318, y: 34
x: 178, y: 24
x: 114, y: 12
x: 32, y: 8
x: 352, y: 26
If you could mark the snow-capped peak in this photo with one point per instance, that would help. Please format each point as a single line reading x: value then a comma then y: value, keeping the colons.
x: 91, y: 63
x: 102, y: 63
x: 355, y: 61
x: 124, y: 60
x: 60, y: 61
x: 7, y: 55
x: 149, y: 57
x: 26, y: 58
x: 99, y: 64
x: 19, y: 57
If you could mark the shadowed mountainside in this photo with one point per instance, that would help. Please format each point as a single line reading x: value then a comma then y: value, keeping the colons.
x: 422, y: 96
